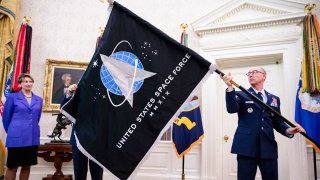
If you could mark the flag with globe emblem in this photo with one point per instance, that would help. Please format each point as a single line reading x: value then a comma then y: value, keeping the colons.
x: 133, y: 89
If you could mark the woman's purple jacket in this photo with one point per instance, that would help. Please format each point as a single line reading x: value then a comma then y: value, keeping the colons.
x: 21, y: 120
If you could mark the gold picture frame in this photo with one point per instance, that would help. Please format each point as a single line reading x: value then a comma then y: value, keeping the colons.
x: 59, y: 73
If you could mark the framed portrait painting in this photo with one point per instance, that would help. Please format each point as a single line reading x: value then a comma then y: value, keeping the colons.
x: 58, y: 76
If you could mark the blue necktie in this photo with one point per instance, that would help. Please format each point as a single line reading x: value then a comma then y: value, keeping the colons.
x: 259, y: 95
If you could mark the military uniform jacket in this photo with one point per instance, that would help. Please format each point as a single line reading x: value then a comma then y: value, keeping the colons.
x: 254, y: 136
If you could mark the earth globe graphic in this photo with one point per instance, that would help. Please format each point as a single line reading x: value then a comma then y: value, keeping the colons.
x: 107, y: 78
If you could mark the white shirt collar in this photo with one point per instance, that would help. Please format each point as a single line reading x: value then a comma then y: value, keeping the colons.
x: 263, y: 92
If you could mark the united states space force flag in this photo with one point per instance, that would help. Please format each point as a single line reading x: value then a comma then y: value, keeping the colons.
x: 133, y: 89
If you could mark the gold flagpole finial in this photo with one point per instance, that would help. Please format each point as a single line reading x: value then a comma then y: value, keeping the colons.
x: 101, y: 30
x: 309, y: 7
x: 109, y: 1
x: 184, y: 26
x: 26, y: 20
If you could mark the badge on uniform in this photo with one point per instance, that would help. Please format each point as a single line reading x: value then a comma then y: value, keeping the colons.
x: 274, y: 102
x: 250, y: 110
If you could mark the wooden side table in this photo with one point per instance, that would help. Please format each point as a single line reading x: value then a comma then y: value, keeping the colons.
x: 57, y: 152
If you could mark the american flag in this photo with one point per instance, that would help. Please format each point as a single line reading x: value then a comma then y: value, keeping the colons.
x: 3, y: 100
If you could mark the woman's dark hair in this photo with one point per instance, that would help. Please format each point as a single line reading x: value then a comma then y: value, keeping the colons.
x: 24, y: 75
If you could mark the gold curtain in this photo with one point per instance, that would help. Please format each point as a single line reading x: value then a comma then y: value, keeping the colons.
x: 8, y: 25
x: 8, y: 22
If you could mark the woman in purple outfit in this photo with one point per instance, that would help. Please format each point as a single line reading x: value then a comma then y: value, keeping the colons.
x: 21, y: 115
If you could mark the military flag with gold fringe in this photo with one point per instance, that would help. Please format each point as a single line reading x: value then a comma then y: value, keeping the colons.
x: 307, y: 112
x: 187, y: 130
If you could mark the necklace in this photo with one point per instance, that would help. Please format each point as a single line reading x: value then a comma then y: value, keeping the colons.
x: 28, y: 96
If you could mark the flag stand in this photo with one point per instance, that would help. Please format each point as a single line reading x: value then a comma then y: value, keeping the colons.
x: 183, y: 41
x: 315, y: 164
x: 309, y: 8
x: 183, y: 175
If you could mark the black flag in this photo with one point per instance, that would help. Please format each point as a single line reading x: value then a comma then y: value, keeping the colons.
x: 133, y: 88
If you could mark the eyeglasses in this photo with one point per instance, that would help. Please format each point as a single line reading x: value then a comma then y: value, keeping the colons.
x: 28, y: 81
x: 253, y: 72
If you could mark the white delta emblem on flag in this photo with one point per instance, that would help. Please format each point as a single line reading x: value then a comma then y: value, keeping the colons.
x: 122, y: 73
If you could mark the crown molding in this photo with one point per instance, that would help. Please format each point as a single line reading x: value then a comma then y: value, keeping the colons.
x: 295, y: 18
x: 244, y: 6
x: 230, y: 17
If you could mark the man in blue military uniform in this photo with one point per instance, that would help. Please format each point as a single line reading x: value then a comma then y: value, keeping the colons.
x: 254, y: 141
